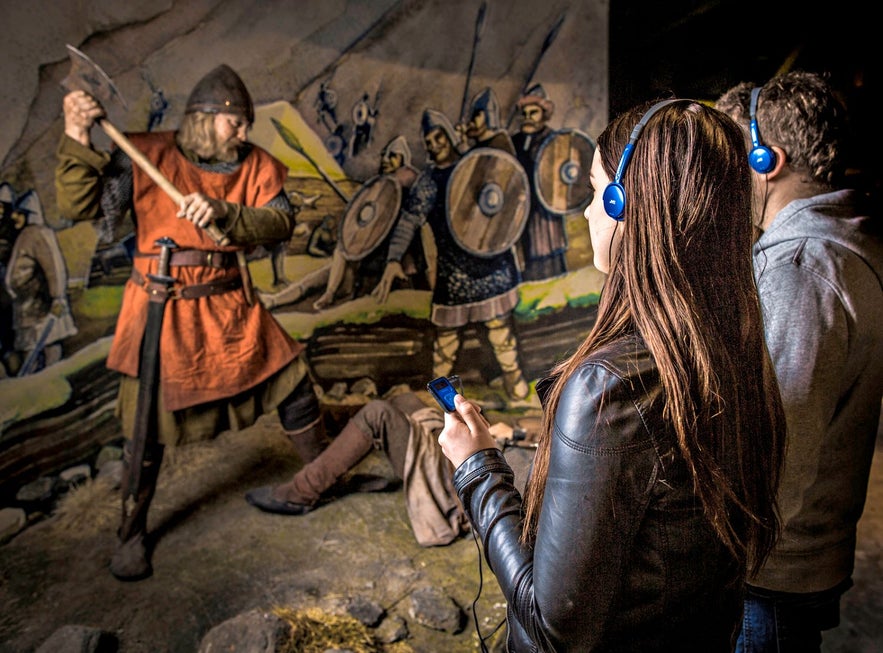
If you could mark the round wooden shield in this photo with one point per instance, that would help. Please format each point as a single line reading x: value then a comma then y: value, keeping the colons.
x: 369, y: 217
x: 561, y: 172
x: 488, y: 200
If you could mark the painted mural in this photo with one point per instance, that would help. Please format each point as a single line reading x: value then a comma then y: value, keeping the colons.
x: 360, y: 106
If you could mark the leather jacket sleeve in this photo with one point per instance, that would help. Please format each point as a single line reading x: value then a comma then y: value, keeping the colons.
x: 562, y: 589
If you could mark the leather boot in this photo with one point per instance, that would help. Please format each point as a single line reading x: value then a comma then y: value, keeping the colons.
x: 277, y: 257
x: 131, y: 560
x: 310, y: 440
x: 303, y: 492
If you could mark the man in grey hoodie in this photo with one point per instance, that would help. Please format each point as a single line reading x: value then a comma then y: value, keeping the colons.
x: 818, y: 262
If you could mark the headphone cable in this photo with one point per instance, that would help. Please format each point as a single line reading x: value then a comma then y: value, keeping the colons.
x: 481, y: 638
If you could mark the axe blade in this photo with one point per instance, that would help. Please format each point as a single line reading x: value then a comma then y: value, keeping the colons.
x: 86, y: 75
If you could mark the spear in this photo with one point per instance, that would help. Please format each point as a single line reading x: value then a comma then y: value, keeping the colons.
x: 479, y: 27
x: 292, y: 141
x: 547, y: 43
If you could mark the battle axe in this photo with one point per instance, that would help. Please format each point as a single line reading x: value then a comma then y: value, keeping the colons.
x: 86, y: 75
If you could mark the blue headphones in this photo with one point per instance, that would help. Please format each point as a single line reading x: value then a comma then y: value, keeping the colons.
x: 614, y: 194
x: 761, y: 158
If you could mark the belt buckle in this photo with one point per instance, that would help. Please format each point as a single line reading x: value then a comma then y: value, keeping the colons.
x: 209, y: 259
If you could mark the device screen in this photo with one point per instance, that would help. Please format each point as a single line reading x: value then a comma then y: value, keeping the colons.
x: 443, y: 392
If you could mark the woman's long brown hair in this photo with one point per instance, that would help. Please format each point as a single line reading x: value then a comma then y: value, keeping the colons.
x: 682, y: 281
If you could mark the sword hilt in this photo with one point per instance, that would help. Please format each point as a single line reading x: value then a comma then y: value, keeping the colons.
x: 166, y: 245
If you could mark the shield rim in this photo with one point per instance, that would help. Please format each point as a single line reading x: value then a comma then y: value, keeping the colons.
x: 363, y: 190
x: 480, y: 151
x: 542, y: 200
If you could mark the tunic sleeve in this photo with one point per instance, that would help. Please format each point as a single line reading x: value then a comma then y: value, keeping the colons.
x: 78, y: 179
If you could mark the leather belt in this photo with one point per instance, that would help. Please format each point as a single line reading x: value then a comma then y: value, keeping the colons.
x: 193, y: 291
x: 197, y: 258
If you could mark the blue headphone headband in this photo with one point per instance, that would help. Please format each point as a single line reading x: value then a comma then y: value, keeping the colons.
x: 761, y: 158
x: 614, y: 194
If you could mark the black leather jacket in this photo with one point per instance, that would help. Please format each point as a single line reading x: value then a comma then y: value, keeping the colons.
x: 624, y: 559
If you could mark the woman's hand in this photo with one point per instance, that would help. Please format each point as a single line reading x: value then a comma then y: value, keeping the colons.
x: 466, y: 431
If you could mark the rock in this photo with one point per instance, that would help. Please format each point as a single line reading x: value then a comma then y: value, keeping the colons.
x: 107, y: 454
x: 73, y: 476
x: 37, y: 496
x: 366, y: 611
x: 79, y: 639
x: 12, y: 520
x: 434, y: 609
x: 337, y: 391
x: 365, y: 387
x: 113, y: 471
x: 255, y: 631
x: 392, y: 629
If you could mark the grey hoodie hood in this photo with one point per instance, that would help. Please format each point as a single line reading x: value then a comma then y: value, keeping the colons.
x: 836, y: 219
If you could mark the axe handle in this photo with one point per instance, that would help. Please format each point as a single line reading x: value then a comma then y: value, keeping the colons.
x: 153, y: 172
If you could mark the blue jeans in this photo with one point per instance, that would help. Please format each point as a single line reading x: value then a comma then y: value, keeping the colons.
x: 780, y: 622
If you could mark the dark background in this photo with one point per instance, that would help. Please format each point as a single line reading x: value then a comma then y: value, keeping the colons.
x: 698, y: 49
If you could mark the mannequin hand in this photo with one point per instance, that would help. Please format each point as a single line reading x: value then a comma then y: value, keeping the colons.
x: 81, y: 110
x: 201, y: 210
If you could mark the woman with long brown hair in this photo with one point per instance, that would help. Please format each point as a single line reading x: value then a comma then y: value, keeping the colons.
x: 653, y: 489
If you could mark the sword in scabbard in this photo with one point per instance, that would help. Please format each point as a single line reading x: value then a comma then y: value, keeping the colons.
x: 148, y: 376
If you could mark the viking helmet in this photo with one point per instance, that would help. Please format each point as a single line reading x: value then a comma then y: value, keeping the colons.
x: 536, y: 94
x: 486, y: 102
x: 7, y: 195
x: 30, y: 205
x: 221, y: 90
x: 398, y: 145
x: 433, y: 119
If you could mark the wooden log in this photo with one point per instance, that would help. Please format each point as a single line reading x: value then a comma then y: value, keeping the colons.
x: 399, y: 350
x: 393, y: 351
x: 48, y: 443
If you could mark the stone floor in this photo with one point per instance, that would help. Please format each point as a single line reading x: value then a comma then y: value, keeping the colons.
x: 861, y: 610
x: 217, y: 557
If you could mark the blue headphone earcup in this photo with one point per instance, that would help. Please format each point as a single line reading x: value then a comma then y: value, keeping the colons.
x: 614, y: 194
x: 614, y: 200
x: 762, y: 159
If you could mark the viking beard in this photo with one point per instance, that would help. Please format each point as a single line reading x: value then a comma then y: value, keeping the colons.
x: 197, y: 134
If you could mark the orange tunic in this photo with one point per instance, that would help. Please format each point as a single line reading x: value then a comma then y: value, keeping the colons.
x: 211, y: 347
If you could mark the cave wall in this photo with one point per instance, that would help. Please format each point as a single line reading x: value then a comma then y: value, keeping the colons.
x: 406, y: 54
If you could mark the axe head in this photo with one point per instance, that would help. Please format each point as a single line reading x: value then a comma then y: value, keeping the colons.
x: 86, y: 75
